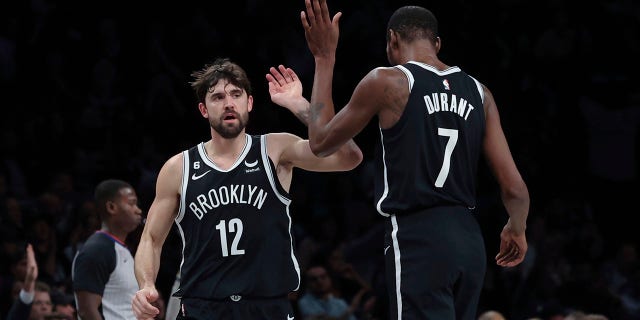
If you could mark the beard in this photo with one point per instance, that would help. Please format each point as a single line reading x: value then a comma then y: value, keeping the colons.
x: 229, y: 131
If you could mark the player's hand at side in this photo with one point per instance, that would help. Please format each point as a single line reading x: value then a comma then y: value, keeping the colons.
x: 142, y: 303
x: 513, y: 247
x: 320, y: 30
x: 285, y: 89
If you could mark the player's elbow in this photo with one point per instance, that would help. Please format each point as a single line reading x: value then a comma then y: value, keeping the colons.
x: 353, y: 156
x: 319, y: 150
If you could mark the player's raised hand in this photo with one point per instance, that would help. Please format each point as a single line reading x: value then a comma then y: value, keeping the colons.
x: 285, y: 89
x: 284, y: 86
x: 320, y: 30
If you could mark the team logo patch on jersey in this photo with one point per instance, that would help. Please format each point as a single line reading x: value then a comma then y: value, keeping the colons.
x: 235, y: 297
x: 445, y: 82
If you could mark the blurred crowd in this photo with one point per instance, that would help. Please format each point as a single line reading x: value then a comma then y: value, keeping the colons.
x: 97, y: 90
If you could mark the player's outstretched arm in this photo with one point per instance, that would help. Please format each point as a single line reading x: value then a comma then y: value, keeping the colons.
x: 285, y: 90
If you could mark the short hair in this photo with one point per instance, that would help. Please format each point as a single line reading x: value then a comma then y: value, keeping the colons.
x: 221, y: 68
x: 42, y: 287
x: 108, y: 190
x: 413, y: 22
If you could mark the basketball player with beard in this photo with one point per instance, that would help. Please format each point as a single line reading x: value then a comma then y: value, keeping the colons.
x: 229, y: 199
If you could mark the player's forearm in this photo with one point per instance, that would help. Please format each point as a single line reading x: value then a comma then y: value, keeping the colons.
x: 321, y: 110
x: 349, y: 153
x: 516, y: 202
x: 302, y: 111
x: 147, y: 262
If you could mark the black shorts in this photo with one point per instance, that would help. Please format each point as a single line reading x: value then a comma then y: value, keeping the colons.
x: 435, y: 264
x: 232, y: 308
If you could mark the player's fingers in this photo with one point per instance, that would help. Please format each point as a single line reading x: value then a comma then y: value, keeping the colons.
x: 324, y: 11
x: 270, y: 78
x: 305, y: 22
x: 336, y: 19
x: 278, y: 76
x: 292, y: 74
x: 311, y: 17
x: 285, y: 73
x: 506, y: 249
x: 272, y: 85
x: 509, y: 255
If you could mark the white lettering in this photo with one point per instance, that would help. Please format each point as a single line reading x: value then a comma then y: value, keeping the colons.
x: 225, y: 195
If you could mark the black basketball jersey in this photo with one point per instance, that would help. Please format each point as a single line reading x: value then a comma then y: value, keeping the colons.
x: 430, y: 156
x: 235, y: 227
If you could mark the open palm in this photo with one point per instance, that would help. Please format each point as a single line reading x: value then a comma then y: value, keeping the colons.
x: 285, y: 88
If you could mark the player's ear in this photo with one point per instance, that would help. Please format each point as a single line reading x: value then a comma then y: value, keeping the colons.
x: 392, y: 39
x: 437, y: 44
x: 249, y: 103
x: 203, y: 110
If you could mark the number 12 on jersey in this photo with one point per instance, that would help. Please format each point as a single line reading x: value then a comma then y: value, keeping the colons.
x: 235, y: 226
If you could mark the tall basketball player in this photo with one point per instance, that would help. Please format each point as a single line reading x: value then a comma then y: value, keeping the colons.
x: 229, y: 199
x: 435, y: 121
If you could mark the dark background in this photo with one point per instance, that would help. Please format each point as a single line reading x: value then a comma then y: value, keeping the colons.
x: 93, y: 90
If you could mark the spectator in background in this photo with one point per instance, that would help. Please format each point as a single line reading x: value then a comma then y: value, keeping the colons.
x: 491, y: 315
x: 349, y: 283
x: 42, y: 307
x: 63, y: 304
x: 103, y: 277
x: 319, y: 301
x: 22, y: 303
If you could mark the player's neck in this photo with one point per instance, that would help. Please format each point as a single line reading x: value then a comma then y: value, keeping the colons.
x: 224, y: 151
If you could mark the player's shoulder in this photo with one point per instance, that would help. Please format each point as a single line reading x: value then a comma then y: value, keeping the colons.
x: 382, y: 77
x: 278, y: 142
x: 381, y: 73
x: 281, y: 138
x: 174, y: 162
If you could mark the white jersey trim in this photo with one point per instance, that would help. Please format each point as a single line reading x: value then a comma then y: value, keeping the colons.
x: 183, y: 185
x: 386, y: 182
x: 479, y: 85
x: 270, y: 175
x: 286, y: 201
x: 435, y: 70
x: 397, y: 263
x: 210, y: 163
x: 408, y: 74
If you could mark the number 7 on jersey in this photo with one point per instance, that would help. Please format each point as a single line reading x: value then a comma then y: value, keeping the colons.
x: 448, y: 150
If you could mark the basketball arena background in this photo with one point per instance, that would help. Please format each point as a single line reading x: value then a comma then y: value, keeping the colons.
x: 92, y: 90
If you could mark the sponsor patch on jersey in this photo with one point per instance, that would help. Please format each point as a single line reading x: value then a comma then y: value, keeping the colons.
x: 251, y: 164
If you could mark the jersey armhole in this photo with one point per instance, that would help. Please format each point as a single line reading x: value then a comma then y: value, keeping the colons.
x: 409, y: 75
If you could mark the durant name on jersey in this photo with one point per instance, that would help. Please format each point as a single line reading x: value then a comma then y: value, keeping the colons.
x: 438, y: 102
